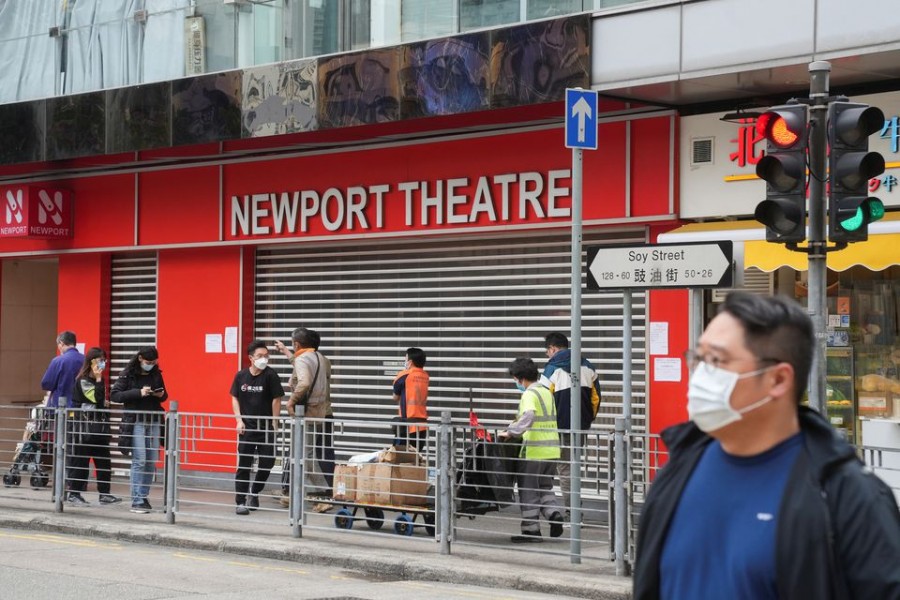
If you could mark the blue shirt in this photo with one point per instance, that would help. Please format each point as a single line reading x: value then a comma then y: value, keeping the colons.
x: 59, y: 379
x: 721, y: 542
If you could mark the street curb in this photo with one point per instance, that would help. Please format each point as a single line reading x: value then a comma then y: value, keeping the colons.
x: 416, y: 567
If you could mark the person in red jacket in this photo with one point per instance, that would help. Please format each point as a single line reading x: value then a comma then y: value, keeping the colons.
x: 411, y: 396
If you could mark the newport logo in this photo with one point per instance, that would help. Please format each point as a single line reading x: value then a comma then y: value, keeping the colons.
x: 50, y: 208
x: 14, y: 207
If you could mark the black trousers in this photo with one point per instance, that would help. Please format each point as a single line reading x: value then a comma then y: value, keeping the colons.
x: 82, y: 449
x: 252, y: 444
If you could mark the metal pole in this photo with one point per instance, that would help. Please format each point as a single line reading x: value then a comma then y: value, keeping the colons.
x: 575, y: 363
x: 444, y: 484
x: 59, y: 461
x: 626, y: 358
x: 621, y: 506
x: 818, y: 95
x: 298, y: 444
x: 171, y: 460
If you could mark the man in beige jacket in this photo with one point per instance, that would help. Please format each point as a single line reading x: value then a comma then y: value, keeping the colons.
x: 310, y: 386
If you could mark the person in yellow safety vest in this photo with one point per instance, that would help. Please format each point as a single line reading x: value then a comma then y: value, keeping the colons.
x: 535, y: 424
x: 411, y: 396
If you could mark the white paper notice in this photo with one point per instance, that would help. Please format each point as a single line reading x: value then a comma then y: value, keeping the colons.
x: 231, y: 340
x: 667, y: 369
x: 659, y: 337
x: 213, y: 343
x: 80, y: 347
x: 834, y: 321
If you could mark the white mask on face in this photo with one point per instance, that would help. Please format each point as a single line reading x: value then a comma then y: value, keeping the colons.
x: 261, y: 363
x: 709, y: 397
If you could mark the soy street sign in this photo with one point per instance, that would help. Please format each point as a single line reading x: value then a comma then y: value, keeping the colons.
x: 652, y: 266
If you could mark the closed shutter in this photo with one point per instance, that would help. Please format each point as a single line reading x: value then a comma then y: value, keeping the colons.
x: 132, y: 322
x: 473, y: 305
x: 132, y: 307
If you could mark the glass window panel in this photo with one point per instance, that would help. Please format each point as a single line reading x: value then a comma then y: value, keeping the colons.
x: 474, y: 14
x: 422, y: 19
x: 542, y: 9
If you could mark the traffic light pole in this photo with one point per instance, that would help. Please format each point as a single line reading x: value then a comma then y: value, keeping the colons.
x: 818, y: 94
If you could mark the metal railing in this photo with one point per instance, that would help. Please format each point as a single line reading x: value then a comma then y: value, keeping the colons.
x: 456, y: 485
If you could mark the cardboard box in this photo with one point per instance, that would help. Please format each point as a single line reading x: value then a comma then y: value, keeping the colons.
x: 398, y: 485
x: 402, y: 455
x: 345, y: 482
x: 373, y: 483
x: 409, y: 485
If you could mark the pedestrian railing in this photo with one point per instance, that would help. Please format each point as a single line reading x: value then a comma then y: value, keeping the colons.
x: 885, y: 463
x: 451, y: 484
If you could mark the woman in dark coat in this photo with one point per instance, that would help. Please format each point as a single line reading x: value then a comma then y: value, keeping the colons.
x: 141, y: 389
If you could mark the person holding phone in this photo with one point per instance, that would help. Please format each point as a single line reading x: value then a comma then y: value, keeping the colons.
x: 140, y: 387
x: 90, y: 433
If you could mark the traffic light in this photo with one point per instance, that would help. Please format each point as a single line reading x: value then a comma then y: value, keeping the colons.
x: 783, y: 168
x: 851, y: 165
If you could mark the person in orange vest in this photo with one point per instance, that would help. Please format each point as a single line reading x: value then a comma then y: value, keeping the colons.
x: 411, y: 396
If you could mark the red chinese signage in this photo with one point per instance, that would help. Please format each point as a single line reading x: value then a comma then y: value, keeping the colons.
x: 36, y: 212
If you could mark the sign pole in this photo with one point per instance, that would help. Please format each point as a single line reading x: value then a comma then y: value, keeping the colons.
x: 575, y: 363
x: 816, y: 305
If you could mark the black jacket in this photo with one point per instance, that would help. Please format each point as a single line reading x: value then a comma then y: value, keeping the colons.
x: 838, y: 524
x: 127, y: 390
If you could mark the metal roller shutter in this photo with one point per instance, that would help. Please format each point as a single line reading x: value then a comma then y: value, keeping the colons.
x: 132, y: 306
x: 132, y: 321
x: 472, y: 304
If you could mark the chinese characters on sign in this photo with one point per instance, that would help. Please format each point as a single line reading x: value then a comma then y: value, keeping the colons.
x: 661, y: 266
x: 746, y: 141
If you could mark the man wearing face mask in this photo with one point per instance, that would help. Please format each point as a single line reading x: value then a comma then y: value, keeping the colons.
x: 535, y: 425
x: 761, y: 498
x: 256, y: 392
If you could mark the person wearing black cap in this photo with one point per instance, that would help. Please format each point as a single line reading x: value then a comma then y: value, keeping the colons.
x: 141, y: 389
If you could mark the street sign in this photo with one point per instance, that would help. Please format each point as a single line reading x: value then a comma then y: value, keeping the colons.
x: 581, y: 119
x: 652, y: 266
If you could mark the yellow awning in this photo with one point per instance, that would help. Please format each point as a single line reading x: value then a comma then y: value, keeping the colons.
x: 880, y: 251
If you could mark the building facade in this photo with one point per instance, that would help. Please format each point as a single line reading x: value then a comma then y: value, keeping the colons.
x: 389, y: 173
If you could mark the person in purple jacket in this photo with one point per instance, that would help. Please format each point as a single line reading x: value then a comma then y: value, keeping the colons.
x: 59, y: 379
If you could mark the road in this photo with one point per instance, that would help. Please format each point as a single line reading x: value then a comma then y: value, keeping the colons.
x: 38, y: 566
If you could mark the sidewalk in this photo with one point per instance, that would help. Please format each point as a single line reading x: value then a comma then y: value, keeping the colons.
x: 265, y: 534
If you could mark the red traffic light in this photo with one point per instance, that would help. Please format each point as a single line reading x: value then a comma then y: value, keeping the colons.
x: 782, y: 128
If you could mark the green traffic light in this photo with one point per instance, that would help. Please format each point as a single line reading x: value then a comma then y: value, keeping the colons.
x: 868, y: 212
x: 854, y: 222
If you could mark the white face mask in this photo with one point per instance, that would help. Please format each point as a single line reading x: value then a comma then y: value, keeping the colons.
x: 261, y: 363
x: 709, y: 397
x: 147, y: 367
x: 101, y: 364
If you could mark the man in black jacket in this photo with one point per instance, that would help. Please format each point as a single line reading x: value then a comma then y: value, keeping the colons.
x: 760, y: 497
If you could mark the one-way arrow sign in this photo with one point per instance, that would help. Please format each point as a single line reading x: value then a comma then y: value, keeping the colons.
x: 651, y: 266
x: 581, y: 119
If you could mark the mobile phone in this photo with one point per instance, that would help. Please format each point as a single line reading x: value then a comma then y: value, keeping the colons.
x: 158, y: 390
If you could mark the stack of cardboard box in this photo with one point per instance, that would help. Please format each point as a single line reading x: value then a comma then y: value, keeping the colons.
x: 399, y: 479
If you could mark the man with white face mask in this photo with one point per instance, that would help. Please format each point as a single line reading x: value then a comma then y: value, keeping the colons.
x: 760, y: 498
x: 256, y: 394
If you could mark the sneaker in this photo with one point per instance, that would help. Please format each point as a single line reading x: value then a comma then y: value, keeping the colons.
x: 252, y: 501
x: 241, y: 509
x: 141, y: 506
x: 556, y: 525
x: 527, y: 538
x: 322, y: 507
x: 75, y: 499
x: 109, y: 499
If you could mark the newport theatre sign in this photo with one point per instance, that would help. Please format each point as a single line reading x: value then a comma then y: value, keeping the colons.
x: 36, y: 212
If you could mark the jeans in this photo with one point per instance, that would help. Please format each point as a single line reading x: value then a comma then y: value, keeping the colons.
x: 143, y: 458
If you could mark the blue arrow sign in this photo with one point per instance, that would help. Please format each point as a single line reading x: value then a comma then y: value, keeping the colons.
x: 581, y: 119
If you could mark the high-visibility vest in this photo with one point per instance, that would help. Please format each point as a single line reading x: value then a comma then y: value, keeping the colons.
x: 541, y: 441
x: 414, y: 396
